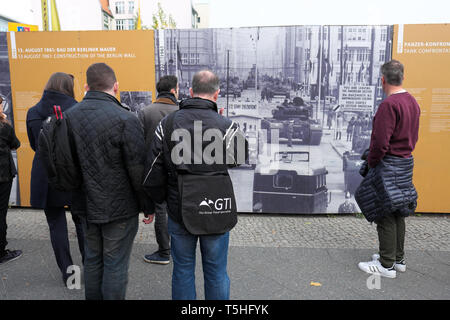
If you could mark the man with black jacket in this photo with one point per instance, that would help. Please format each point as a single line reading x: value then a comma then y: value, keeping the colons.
x: 150, y: 116
x: 197, y: 116
x: 109, y: 141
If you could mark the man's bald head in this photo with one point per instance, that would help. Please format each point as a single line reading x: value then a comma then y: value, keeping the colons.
x: 205, y: 82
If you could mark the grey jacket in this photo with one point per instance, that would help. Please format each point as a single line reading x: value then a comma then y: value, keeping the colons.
x: 151, y: 115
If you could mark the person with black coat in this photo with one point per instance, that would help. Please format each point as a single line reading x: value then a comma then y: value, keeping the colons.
x: 109, y: 143
x: 8, y: 142
x: 196, y: 116
x: 58, y: 92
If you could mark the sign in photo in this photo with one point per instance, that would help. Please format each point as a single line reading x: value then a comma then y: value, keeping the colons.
x: 357, y: 98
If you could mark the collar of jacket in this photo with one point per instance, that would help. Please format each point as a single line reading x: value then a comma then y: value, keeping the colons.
x: 100, y: 95
x: 198, y: 103
x: 167, y: 98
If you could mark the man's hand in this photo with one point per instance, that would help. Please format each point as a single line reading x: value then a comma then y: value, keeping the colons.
x: 148, y: 218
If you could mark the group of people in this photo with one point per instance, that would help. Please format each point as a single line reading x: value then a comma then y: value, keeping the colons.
x: 118, y: 152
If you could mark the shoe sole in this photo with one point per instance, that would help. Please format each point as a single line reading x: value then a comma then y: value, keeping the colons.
x: 156, y: 262
x: 380, y: 274
x: 2, y: 264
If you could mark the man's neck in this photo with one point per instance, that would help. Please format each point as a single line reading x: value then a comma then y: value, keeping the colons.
x: 207, y: 97
x: 393, y: 90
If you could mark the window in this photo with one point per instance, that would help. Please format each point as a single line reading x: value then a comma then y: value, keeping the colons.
x: 131, y: 25
x: 119, y: 25
x: 130, y: 7
x: 382, y: 55
x: 184, y: 58
x: 120, y: 8
x: 195, y: 58
x: 340, y: 34
x: 383, y: 34
x: 284, y: 181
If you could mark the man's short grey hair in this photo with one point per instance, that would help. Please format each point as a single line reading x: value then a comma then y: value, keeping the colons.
x: 393, y: 72
x: 205, y: 82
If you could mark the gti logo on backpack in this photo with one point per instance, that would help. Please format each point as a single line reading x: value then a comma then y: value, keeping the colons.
x: 221, y: 205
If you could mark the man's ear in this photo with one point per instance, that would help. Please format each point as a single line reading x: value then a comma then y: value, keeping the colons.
x: 116, y: 87
x: 191, y: 92
x: 216, y: 95
x: 86, y: 87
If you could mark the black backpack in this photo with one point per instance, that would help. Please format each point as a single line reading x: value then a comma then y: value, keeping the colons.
x: 57, y: 152
x: 206, y: 200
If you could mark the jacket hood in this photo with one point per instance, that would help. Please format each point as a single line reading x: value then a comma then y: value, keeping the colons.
x: 198, y: 103
x: 52, y: 98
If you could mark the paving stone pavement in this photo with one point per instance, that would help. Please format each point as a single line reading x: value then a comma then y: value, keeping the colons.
x: 271, y: 257
x: 291, y: 231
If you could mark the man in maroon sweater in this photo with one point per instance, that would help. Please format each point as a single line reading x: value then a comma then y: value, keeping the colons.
x: 395, y: 133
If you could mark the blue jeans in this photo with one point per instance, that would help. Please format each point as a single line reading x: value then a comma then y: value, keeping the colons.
x: 107, y: 256
x: 214, y: 250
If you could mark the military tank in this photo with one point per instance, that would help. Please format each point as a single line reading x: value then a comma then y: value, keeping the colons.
x: 294, y: 119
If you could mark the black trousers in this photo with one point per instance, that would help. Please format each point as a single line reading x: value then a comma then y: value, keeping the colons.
x: 57, y: 223
x: 161, y: 232
x: 5, y: 190
x: 391, y: 236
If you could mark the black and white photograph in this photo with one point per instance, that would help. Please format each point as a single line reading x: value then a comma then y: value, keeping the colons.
x: 135, y: 100
x: 5, y: 93
x: 305, y: 97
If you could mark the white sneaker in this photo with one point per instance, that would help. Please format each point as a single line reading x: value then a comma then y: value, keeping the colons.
x: 375, y: 267
x: 399, y: 266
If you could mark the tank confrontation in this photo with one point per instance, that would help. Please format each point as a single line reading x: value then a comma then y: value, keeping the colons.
x: 294, y: 121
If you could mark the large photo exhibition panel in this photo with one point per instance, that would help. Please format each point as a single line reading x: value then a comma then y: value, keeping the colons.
x: 305, y: 97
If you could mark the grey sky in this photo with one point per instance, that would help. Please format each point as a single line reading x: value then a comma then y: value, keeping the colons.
x: 240, y: 13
